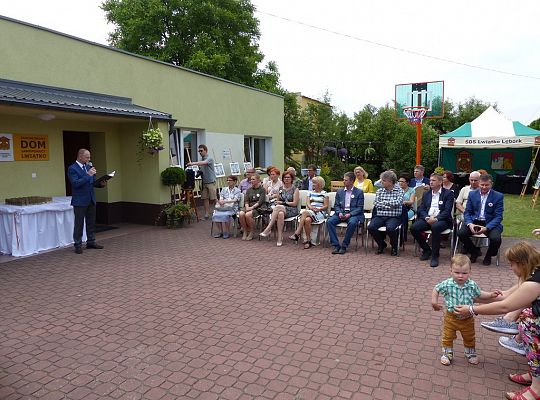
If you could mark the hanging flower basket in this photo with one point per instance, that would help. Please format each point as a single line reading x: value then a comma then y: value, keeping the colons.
x: 150, y: 141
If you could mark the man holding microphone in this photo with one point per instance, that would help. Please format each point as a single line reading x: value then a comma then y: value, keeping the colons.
x: 82, y: 176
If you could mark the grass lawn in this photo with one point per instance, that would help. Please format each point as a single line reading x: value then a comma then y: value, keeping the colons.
x: 519, y: 218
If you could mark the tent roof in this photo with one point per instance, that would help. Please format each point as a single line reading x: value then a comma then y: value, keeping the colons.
x: 492, y: 124
x: 490, y: 129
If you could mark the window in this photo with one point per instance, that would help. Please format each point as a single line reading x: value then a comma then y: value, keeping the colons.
x: 183, y: 144
x: 258, y: 151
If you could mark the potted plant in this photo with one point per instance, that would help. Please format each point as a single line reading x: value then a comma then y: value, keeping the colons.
x: 173, y: 177
x: 177, y: 214
x: 150, y: 141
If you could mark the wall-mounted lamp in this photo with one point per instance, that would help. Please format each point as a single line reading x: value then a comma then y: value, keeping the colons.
x: 46, y: 117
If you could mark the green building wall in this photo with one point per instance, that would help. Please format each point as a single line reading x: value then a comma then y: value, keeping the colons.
x: 39, y: 56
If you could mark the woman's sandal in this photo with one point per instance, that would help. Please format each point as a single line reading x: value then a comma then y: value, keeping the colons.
x: 520, y: 395
x: 294, y: 237
x: 518, y: 378
x: 308, y: 244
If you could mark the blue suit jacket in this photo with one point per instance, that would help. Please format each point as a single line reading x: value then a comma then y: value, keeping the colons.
x: 356, y: 205
x: 446, y: 203
x: 493, y: 211
x: 82, y: 186
x: 413, y: 182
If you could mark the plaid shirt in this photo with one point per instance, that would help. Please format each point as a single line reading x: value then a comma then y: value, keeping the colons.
x: 455, y: 295
x: 389, y: 203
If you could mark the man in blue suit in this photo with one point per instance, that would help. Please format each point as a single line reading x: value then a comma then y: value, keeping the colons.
x: 348, y: 208
x: 435, y: 214
x: 483, y: 214
x: 82, y: 176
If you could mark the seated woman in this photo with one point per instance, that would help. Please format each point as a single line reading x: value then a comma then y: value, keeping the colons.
x: 273, y: 184
x: 409, y: 196
x: 286, y: 206
x: 448, y: 183
x: 524, y: 261
x: 362, y: 182
x: 316, y: 210
x: 226, y: 207
x: 255, y: 198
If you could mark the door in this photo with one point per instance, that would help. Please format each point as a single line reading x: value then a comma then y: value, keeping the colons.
x: 73, y: 141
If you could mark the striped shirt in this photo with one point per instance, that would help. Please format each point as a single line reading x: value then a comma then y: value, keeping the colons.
x: 455, y: 295
x: 389, y: 203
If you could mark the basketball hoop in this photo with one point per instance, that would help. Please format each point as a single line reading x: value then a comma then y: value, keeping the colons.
x: 415, y: 114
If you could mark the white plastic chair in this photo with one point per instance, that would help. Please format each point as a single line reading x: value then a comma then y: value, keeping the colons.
x: 448, y: 231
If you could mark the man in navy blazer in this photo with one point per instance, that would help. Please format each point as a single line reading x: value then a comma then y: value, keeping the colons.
x: 435, y: 214
x: 483, y: 214
x: 348, y: 208
x: 82, y: 176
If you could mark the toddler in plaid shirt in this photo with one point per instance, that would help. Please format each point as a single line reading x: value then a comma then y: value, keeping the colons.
x: 459, y: 290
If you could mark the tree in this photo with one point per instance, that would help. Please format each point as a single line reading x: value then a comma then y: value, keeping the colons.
x: 216, y: 37
x: 535, y: 124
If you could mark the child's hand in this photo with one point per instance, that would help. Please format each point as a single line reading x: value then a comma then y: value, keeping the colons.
x: 496, y: 293
x: 436, y: 307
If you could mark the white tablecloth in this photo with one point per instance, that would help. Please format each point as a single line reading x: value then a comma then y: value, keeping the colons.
x: 27, y: 230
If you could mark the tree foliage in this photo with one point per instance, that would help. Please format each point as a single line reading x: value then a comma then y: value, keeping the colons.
x: 394, y: 141
x: 216, y: 37
x: 535, y: 124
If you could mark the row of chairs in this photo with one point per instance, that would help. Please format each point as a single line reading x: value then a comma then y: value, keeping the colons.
x: 480, y: 240
x: 320, y: 233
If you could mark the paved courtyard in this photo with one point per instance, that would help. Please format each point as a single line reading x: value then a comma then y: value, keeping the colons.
x: 176, y: 314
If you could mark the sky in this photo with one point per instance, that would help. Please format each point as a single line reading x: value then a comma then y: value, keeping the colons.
x: 357, y: 51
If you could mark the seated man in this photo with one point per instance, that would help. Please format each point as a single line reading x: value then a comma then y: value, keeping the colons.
x: 435, y: 214
x: 349, y: 208
x: 307, y: 182
x: 461, y: 201
x: 419, y: 178
x: 387, y: 212
x: 483, y: 214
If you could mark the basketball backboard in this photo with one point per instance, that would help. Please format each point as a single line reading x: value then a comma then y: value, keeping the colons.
x: 424, y: 94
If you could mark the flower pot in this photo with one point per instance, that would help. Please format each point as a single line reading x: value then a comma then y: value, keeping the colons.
x: 175, y: 222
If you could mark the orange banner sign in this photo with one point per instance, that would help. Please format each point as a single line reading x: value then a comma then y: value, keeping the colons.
x: 31, y: 147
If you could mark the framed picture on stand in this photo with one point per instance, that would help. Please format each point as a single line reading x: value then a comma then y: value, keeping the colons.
x: 235, y: 168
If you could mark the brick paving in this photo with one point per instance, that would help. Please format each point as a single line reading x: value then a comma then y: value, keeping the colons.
x: 176, y: 314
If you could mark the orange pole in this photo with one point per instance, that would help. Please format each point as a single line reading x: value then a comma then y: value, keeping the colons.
x: 418, y: 143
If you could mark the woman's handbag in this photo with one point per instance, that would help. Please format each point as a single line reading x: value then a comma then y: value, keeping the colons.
x: 225, y: 207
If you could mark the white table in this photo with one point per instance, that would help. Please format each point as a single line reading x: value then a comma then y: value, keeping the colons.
x: 28, y: 230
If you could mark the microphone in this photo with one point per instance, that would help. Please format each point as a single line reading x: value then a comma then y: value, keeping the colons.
x: 89, y: 163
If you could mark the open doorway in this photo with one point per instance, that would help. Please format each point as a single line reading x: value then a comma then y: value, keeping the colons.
x: 73, y: 141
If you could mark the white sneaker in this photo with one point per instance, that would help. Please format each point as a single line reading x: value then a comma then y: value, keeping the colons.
x: 500, y: 325
x: 511, y: 344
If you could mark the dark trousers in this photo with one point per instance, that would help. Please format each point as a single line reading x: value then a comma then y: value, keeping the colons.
x: 83, y: 213
x: 391, y: 224
x: 421, y: 225
x: 494, y: 235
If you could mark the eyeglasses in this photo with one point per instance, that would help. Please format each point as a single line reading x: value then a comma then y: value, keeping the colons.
x: 200, y: 151
x: 402, y: 181
x: 230, y: 180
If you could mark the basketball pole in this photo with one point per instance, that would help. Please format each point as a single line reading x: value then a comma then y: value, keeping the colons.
x: 418, y: 142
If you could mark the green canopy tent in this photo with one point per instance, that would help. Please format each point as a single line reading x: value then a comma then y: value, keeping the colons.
x: 490, y: 142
